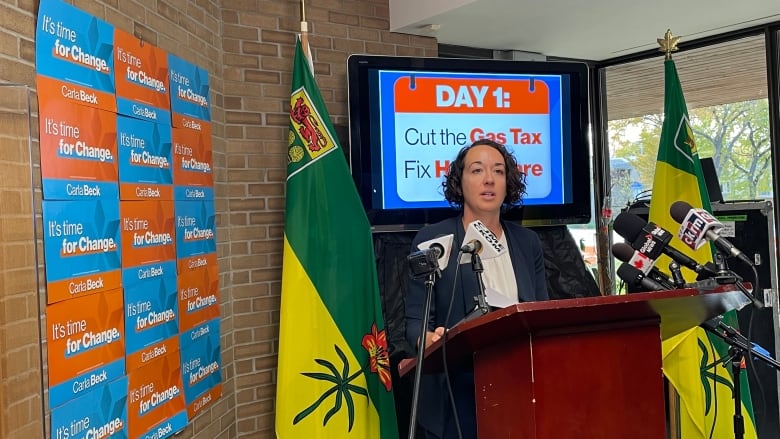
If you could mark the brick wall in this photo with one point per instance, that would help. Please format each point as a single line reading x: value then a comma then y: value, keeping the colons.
x: 247, y: 47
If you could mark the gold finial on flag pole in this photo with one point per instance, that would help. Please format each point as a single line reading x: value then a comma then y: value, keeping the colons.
x: 668, y: 44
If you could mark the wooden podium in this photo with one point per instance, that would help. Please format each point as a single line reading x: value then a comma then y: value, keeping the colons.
x: 575, y: 368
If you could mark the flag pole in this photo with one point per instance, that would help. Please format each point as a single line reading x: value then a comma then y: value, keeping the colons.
x: 305, y: 35
x: 667, y: 45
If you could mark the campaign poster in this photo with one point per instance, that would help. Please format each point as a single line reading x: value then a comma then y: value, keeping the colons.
x: 201, y: 366
x: 193, y: 164
x: 78, y: 151
x: 148, y: 232
x: 198, y: 297
x: 74, y: 56
x: 155, y: 399
x: 82, y: 248
x: 151, y: 307
x: 99, y: 413
x: 83, y: 335
x: 142, y: 89
x: 195, y: 233
x: 145, y: 157
x: 190, y: 101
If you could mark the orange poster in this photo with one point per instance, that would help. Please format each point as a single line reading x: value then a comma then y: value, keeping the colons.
x: 147, y: 229
x: 198, y: 296
x: 155, y: 398
x: 142, y: 89
x: 84, y: 333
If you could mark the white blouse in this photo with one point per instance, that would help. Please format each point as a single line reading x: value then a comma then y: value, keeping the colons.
x: 499, y: 275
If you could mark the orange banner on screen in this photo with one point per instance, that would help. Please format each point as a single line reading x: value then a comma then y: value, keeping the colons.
x: 460, y: 95
x: 84, y: 333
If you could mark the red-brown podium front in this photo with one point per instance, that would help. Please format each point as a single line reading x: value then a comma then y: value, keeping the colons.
x: 584, y: 368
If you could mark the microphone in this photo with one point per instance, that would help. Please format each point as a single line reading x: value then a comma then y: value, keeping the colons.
x: 697, y: 226
x: 636, y: 279
x: 441, y: 247
x: 480, y: 240
x: 641, y: 262
x: 472, y: 246
x: 653, y: 240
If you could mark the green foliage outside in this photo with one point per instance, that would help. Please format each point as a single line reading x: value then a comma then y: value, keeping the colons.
x: 735, y: 135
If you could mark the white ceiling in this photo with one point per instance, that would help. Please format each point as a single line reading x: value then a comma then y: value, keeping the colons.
x: 580, y: 29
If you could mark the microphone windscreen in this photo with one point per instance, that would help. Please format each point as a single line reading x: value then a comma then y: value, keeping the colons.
x: 622, y: 251
x: 629, y: 274
x: 629, y: 226
x: 438, y: 249
x: 442, y: 246
x: 679, y: 210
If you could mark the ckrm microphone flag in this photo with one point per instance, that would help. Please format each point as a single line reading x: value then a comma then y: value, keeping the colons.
x: 334, y: 366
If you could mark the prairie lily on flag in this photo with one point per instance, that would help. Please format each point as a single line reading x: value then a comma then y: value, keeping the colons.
x: 690, y: 359
x: 334, y: 367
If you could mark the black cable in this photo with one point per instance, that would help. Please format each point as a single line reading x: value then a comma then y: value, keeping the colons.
x: 753, y: 370
x: 444, y: 348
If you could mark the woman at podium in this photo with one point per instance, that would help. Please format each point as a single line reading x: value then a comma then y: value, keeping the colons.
x: 482, y: 181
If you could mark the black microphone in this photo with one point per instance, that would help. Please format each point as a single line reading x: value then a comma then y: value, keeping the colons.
x: 696, y: 224
x: 653, y: 240
x: 636, y: 279
x: 473, y: 246
x: 626, y: 253
x: 437, y: 249
x: 423, y: 262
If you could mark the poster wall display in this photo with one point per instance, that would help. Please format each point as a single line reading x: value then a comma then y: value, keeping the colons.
x: 128, y: 231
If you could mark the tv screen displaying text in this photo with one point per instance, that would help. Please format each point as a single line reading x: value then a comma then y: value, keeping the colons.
x: 425, y: 118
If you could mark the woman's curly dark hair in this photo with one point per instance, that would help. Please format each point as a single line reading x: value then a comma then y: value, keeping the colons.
x: 515, y: 180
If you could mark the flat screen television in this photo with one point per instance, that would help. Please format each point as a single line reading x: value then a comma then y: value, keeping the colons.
x: 408, y: 117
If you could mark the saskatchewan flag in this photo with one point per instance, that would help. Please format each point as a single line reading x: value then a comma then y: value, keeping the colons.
x: 333, y: 371
x: 690, y: 359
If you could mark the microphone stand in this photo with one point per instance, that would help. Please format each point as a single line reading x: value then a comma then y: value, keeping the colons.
x: 728, y: 277
x: 739, y: 345
x: 677, y: 277
x: 429, y: 281
x: 482, y: 307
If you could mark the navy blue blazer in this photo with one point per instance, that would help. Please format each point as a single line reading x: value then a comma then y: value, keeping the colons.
x: 525, y: 251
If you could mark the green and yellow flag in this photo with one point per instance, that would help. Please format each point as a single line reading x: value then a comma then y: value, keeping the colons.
x: 333, y: 371
x: 690, y: 359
